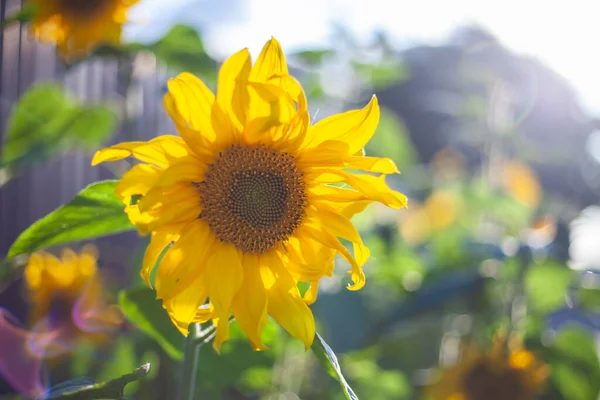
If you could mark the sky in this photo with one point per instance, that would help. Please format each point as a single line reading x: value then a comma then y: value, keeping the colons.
x: 560, y: 34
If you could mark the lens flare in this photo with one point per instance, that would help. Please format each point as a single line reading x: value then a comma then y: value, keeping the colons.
x: 21, y: 368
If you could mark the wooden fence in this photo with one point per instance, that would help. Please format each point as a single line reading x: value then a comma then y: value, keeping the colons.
x: 23, y: 62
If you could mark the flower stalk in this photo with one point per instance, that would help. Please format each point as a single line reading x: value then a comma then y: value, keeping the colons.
x: 189, y: 369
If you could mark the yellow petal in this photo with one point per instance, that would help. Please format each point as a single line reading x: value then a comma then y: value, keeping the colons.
x: 159, y: 241
x: 285, y: 304
x: 315, y: 231
x: 372, y: 187
x: 372, y: 164
x: 271, y: 61
x: 353, y: 127
x: 137, y: 181
x: 292, y: 87
x: 270, y: 106
x: 309, y: 260
x: 327, y: 154
x: 204, y: 313
x: 341, y: 227
x: 185, y: 259
x: 183, y: 306
x: 198, y: 142
x: 250, y: 303
x: 310, y: 296
x: 193, y: 102
x: 165, y: 205
x: 232, y: 90
x: 224, y: 277
x: 156, y: 151
x: 184, y: 169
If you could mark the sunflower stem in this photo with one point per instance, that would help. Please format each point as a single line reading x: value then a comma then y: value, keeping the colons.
x: 189, y: 369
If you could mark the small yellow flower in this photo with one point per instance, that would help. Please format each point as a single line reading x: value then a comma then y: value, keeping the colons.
x: 440, y: 211
x: 67, y: 302
x: 521, y: 182
x: 505, y: 372
x: 78, y: 26
x: 250, y: 197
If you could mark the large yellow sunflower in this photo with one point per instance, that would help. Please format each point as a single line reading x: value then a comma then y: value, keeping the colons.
x: 505, y: 372
x: 249, y: 196
x: 78, y: 26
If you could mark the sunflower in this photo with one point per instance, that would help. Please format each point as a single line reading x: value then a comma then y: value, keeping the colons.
x: 67, y: 307
x: 250, y: 197
x: 78, y: 26
x: 67, y: 302
x: 506, y: 372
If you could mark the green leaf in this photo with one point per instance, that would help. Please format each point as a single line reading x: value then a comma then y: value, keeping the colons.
x: 46, y: 121
x: 313, y: 57
x: 331, y: 365
x: 182, y: 50
x: 85, y: 388
x: 546, y: 285
x: 142, y: 309
x: 575, y: 369
x: 25, y: 14
x: 35, y: 124
x: 93, y: 126
x: 93, y: 212
x: 572, y: 384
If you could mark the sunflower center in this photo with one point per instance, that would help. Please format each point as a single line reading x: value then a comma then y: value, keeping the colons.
x: 253, y: 197
x: 484, y: 382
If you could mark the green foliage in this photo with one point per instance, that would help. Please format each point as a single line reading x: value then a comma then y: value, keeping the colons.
x: 313, y: 57
x: 46, y: 121
x: 182, y: 50
x: 362, y: 369
x: 391, y: 140
x: 93, y: 212
x: 25, y: 14
x: 330, y: 363
x: 142, y: 309
x: 123, y: 359
x: 382, y: 74
x: 86, y: 389
x: 574, y: 364
x: 546, y: 285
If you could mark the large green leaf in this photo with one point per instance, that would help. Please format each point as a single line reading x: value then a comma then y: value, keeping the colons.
x: 46, y: 121
x: 546, y: 285
x: 331, y: 365
x: 574, y: 364
x: 142, y: 309
x: 85, y: 389
x: 93, y: 212
x: 182, y: 50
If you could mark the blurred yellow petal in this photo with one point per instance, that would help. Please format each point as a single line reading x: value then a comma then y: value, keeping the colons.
x: 522, y: 184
